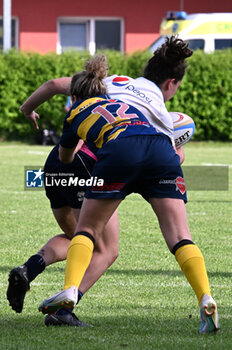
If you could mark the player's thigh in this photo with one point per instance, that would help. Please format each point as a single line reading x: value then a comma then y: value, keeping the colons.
x: 172, y: 217
x: 67, y: 218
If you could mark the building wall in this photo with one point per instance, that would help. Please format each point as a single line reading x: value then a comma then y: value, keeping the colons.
x: 38, y: 19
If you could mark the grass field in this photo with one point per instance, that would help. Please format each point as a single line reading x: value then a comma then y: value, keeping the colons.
x: 143, y: 301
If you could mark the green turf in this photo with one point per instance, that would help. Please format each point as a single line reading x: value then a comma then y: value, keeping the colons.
x: 143, y: 301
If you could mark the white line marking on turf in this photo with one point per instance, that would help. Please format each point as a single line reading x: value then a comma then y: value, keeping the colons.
x: 162, y: 284
x: 46, y: 284
x: 19, y: 192
x: 216, y: 164
x: 37, y: 152
x: 35, y: 284
x: 197, y: 213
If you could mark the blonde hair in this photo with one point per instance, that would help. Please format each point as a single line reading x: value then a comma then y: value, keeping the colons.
x: 89, y: 82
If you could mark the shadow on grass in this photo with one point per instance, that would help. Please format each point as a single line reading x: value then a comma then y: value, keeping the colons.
x: 48, y: 269
x: 137, y: 332
x: 161, y: 329
x: 34, y: 324
x: 132, y: 272
x: 170, y: 273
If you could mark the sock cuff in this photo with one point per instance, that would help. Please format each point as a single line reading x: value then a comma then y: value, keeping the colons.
x: 80, y: 295
x: 187, y: 252
x: 84, y: 240
x: 86, y: 234
x: 37, y: 258
x: 181, y: 243
x: 35, y: 265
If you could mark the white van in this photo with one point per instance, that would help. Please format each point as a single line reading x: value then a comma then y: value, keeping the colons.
x: 205, y: 31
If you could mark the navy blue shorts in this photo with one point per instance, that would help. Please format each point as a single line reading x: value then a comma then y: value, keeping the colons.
x: 147, y: 165
x: 58, y: 188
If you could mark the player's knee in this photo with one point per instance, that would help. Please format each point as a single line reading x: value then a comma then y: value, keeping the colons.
x: 109, y: 253
x: 68, y: 229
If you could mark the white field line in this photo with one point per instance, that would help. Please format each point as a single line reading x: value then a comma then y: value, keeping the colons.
x: 37, y: 284
x: 36, y: 152
x: 197, y: 213
x: 14, y: 192
x: 216, y: 164
x: 167, y: 284
x: 134, y: 283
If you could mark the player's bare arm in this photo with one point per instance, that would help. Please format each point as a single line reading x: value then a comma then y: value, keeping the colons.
x: 42, y: 94
x: 66, y: 155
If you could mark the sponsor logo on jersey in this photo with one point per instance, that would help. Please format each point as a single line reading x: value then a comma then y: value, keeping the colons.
x: 120, y: 81
x: 138, y: 93
x: 178, y: 182
x: 85, y: 104
x: 140, y: 122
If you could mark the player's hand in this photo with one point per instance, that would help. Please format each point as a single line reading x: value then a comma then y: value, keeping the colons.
x: 180, y: 152
x: 78, y: 146
x: 32, y: 117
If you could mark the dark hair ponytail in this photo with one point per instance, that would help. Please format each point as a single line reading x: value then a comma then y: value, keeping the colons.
x: 168, y: 61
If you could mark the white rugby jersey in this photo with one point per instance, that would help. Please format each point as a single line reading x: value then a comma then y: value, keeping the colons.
x: 146, y: 96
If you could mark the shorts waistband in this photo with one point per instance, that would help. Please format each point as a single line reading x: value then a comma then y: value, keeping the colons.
x: 87, y: 151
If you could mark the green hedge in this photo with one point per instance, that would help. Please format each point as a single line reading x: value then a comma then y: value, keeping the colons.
x: 205, y: 93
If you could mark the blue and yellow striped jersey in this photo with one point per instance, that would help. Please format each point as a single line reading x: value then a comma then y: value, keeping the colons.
x: 98, y: 120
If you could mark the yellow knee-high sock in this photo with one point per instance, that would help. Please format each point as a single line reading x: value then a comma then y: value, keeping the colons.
x: 79, y: 255
x: 192, y: 264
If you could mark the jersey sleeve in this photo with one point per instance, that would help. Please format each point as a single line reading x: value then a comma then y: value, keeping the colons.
x: 69, y: 138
